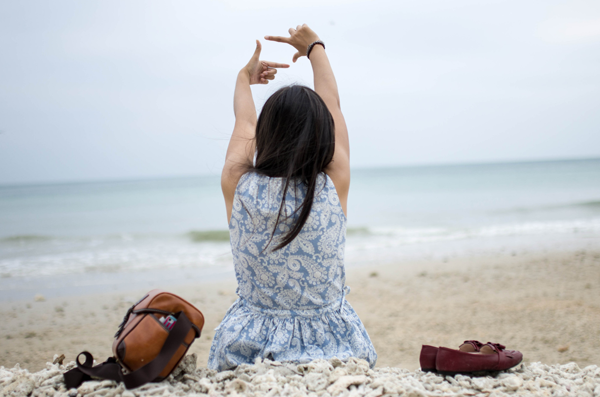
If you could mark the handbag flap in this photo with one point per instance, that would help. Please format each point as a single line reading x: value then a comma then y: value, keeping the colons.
x: 160, y: 300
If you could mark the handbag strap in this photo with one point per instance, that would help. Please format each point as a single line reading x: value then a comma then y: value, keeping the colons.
x: 110, y: 369
x: 150, y: 371
x: 84, y: 372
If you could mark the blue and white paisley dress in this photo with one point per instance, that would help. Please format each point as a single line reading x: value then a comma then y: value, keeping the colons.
x: 291, y: 304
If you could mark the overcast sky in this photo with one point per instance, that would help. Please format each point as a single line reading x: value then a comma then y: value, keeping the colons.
x: 95, y: 90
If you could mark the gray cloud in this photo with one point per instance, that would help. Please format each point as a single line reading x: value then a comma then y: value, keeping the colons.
x: 108, y: 90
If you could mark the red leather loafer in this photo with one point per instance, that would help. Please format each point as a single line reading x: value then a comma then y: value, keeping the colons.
x: 428, y: 356
x: 491, y: 357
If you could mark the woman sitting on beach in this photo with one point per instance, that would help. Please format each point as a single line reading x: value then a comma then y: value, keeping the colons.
x: 286, y: 208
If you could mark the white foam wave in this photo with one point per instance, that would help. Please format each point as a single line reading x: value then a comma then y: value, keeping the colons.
x: 398, y: 236
x: 127, y: 254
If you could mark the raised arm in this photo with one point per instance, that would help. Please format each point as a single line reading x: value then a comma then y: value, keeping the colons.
x: 325, y: 85
x: 240, y: 152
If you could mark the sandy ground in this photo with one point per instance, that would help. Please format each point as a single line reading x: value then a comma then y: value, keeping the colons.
x: 546, y: 304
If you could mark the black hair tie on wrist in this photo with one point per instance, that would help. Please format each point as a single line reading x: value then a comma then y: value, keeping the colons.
x: 311, y: 46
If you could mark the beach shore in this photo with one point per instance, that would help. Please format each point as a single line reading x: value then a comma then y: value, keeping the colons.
x: 543, y: 303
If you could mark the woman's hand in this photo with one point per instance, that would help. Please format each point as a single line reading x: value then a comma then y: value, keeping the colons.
x: 260, y: 72
x: 300, y: 38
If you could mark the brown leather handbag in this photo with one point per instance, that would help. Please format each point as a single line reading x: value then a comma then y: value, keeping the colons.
x: 154, y: 336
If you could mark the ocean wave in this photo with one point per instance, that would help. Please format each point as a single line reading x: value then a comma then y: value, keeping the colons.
x: 593, y: 205
x: 373, y: 238
x: 196, y: 236
x: 358, y: 231
x: 111, y: 257
x: 572, y: 226
x: 35, y: 238
x: 208, y: 235
x: 25, y: 238
x: 44, y: 256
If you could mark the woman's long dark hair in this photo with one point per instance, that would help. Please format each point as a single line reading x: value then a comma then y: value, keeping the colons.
x: 295, y: 139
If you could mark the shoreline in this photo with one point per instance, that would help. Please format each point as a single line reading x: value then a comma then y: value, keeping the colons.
x: 360, y: 253
x: 541, y: 303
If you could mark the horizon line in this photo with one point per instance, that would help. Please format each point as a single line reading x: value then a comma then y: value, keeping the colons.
x: 359, y: 168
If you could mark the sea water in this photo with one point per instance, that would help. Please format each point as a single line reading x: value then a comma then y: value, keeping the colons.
x: 75, y: 238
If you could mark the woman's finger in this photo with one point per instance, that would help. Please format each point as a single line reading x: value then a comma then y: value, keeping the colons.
x: 270, y: 72
x: 275, y: 64
x: 291, y: 31
x: 270, y: 77
x: 298, y: 27
x: 296, y: 56
x: 257, y: 51
x: 279, y: 39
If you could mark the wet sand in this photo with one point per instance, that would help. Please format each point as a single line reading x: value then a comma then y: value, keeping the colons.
x: 546, y: 304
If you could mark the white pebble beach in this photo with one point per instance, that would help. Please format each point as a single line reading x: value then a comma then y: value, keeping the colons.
x: 542, y: 303
x: 318, y: 378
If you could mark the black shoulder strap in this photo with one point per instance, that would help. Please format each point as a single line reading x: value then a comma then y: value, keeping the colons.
x: 110, y: 369
x: 84, y: 372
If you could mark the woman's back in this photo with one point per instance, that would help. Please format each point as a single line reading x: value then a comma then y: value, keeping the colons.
x: 306, y: 274
x: 291, y: 304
